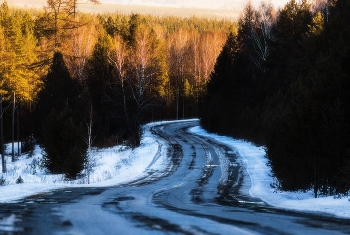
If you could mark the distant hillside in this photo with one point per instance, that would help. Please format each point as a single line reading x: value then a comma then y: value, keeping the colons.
x: 235, y: 5
x: 142, y: 9
x: 192, y: 4
x: 219, y: 9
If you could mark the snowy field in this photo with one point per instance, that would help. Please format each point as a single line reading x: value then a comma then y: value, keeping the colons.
x: 120, y: 165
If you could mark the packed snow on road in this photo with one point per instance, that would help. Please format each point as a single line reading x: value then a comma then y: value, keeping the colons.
x: 120, y: 165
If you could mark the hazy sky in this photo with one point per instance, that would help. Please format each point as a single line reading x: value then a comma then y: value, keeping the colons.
x: 210, y: 8
x: 207, y: 4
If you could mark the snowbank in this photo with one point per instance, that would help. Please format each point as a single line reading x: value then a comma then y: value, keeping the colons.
x: 261, y: 180
x: 110, y: 166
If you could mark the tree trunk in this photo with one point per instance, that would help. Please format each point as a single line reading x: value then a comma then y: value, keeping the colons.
x: 90, y: 129
x: 2, y: 138
x: 315, y: 183
x: 177, y: 105
x: 18, y: 133
x: 13, y: 126
x: 183, y: 106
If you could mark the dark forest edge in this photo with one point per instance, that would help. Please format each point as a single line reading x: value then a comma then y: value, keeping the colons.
x: 283, y: 81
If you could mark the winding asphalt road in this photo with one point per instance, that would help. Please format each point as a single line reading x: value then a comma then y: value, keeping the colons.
x: 204, y: 190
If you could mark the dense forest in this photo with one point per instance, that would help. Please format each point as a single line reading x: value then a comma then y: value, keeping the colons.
x: 283, y: 81
x: 279, y: 78
x: 72, y: 80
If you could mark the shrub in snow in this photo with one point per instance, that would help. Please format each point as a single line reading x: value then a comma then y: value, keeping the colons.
x: 33, y: 166
x: 19, y: 180
x: 28, y: 147
x: 2, y: 181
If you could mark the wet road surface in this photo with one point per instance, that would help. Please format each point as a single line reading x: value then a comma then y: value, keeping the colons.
x: 203, y: 190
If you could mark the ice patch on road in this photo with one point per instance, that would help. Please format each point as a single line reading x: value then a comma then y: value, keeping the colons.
x: 7, y: 224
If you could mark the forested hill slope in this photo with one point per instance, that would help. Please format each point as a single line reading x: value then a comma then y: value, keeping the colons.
x: 284, y: 81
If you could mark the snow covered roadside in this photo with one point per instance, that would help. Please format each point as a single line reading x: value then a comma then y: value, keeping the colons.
x: 261, y: 180
x: 110, y: 166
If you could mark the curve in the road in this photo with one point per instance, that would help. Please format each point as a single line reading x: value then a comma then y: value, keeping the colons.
x: 203, y: 189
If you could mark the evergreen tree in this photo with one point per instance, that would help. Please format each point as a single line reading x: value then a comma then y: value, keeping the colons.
x: 287, y: 53
x: 216, y: 103
x: 58, y: 91
x: 58, y: 113
x: 235, y: 84
x: 98, y: 81
x: 310, y: 132
x: 64, y: 147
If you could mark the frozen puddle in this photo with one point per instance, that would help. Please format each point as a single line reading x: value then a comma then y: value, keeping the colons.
x: 7, y: 224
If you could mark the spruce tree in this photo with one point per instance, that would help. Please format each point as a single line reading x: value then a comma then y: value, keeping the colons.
x: 58, y: 89
x: 215, y: 103
x: 98, y: 81
x: 64, y: 145
x: 58, y: 109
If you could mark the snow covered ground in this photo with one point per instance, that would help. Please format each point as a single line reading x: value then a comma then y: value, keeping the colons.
x: 119, y: 165
x: 110, y: 166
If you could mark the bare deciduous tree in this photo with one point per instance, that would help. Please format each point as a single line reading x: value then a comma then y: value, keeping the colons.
x: 210, y: 47
x: 118, y: 58
x: 261, y: 34
x: 144, y: 67
x: 138, y: 75
x: 178, y: 47
x: 81, y: 47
